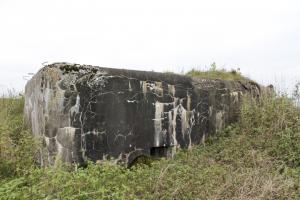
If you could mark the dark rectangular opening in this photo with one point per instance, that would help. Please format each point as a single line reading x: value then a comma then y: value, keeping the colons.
x: 161, y: 152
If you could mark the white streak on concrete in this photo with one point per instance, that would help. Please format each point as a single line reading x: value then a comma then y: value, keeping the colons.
x: 171, y: 90
x: 129, y: 86
x: 159, y: 111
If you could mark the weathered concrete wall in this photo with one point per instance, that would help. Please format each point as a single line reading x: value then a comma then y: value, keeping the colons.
x: 91, y: 113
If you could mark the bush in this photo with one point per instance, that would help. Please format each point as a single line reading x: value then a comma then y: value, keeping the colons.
x: 274, y: 123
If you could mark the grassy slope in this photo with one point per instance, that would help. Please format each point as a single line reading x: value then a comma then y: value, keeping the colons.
x: 258, y: 158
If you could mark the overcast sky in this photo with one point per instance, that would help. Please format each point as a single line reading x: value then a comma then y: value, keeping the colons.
x: 261, y: 37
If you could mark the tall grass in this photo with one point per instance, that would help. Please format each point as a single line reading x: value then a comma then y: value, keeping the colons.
x: 17, y: 146
x: 256, y: 158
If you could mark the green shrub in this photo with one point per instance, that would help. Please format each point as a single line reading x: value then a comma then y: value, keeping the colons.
x: 274, y: 122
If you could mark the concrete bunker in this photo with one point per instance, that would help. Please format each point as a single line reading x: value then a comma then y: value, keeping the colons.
x: 84, y: 112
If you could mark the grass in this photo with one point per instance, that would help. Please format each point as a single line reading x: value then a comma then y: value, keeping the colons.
x: 257, y: 158
x: 214, y: 73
